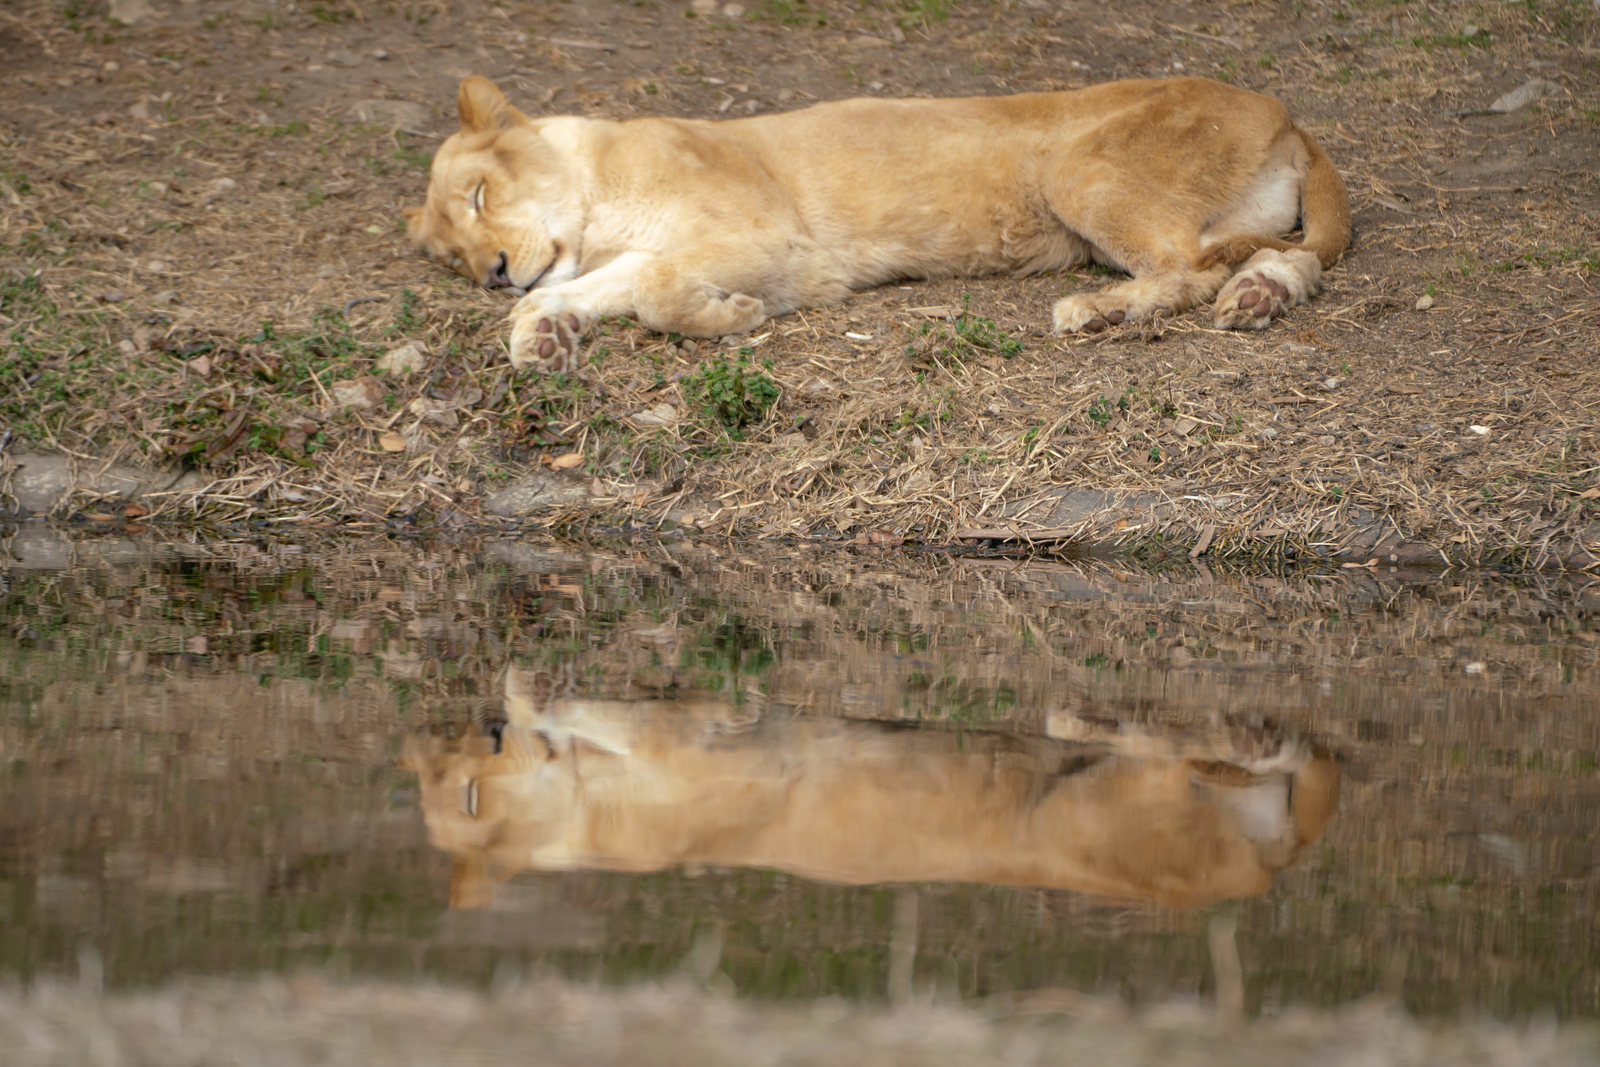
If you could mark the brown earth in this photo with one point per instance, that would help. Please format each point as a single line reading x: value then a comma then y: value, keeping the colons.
x: 201, y: 264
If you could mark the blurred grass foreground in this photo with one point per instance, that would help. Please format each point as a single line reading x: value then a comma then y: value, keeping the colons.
x: 310, y: 1020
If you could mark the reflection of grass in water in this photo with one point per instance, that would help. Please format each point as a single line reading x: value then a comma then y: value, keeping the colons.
x: 305, y: 922
x: 193, y: 616
x: 726, y: 653
x: 283, y: 624
x: 950, y: 698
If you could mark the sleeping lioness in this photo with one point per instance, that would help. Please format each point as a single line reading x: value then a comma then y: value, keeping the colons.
x: 707, y: 228
x: 567, y: 782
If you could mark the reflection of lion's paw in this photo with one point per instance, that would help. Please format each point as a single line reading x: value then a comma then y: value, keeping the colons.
x: 1268, y: 284
x: 545, y: 337
x: 1083, y: 314
x: 1263, y: 749
x: 733, y: 723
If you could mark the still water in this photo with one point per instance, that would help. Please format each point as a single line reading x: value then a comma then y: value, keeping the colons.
x: 801, y: 773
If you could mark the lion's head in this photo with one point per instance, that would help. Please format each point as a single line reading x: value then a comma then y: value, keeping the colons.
x: 501, y: 205
x: 499, y: 793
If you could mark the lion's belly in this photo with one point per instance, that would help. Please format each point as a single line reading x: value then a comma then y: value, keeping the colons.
x: 922, y: 190
x: 932, y: 240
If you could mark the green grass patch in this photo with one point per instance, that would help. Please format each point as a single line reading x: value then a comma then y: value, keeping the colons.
x: 732, y: 394
x: 982, y: 333
x: 964, y: 337
x: 71, y: 383
x: 1586, y: 259
x: 15, y: 180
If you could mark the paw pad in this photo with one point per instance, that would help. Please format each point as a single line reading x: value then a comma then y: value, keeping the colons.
x: 1261, y: 295
x: 1252, y: 299
x: 1105, y: 321
x: 549, y: 341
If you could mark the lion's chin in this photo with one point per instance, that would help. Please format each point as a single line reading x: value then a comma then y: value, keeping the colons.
x: 543, y: 273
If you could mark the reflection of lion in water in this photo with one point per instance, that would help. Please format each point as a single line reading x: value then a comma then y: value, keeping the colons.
x: 642, y: 785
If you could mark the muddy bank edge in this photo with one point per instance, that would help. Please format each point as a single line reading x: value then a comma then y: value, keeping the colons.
x: 35, y: 485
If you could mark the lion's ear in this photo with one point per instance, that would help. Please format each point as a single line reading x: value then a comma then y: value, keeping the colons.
x: 482, y: 106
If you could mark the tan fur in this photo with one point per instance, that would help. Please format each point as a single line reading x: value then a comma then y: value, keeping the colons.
x: 650, y: 784
x: 707, y: 228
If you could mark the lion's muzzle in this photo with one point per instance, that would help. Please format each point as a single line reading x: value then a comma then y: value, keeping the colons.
x: 499, y: 275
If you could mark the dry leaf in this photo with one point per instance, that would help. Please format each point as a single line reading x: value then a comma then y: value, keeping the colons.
x: 566, y: 462
x: 390, y: 441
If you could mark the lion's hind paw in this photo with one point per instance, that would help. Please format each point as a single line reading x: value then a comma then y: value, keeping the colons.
x: 1269, y: 283
x: 1264, y: 748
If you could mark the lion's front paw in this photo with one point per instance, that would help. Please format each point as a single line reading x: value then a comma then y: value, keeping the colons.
x: 1084, y: 313
x: 545, y: 336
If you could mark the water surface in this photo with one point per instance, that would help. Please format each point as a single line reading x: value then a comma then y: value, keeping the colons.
x: 210, y: 765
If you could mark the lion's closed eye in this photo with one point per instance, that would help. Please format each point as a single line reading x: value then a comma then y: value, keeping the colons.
x: 477, y: 198
x: 469, y: 798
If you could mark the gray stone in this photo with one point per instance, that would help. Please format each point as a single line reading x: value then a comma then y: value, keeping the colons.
x: 536, y: 492
x: 41, y: 482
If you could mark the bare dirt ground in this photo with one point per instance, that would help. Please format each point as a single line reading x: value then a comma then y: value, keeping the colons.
x: 202, y: 267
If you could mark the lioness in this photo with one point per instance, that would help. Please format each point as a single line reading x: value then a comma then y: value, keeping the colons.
x: 707, y: 228
x: 567, y: 782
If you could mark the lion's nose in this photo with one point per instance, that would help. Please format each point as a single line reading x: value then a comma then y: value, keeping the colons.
x: 498, y: 276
